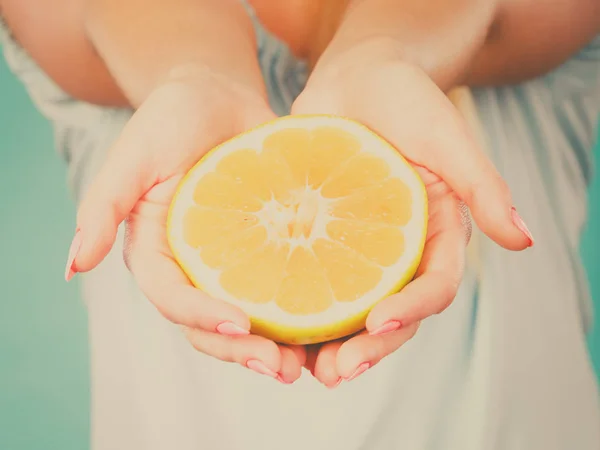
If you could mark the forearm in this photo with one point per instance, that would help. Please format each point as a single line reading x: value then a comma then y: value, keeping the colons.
x: 531, y: 37
x: 439, y: 36
x: 473, y: 42
x: 144, y: 41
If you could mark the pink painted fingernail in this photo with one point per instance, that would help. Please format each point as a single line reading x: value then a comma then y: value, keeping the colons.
x: 387, y: 327
x: 336, y: 384
x: 520, y: 224
x: 359, y: 370
x: 70, y: 269
x: 281, y: 380
x: 259, y: 367
x: 231, y: 329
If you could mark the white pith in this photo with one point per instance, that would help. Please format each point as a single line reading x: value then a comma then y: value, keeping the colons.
x: 208, y: 278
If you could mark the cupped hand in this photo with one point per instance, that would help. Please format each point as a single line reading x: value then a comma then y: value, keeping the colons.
x: 177, y: 124
x: 401, y: 103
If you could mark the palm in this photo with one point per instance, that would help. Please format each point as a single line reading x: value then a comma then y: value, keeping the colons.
x: 186, y: 121
x: 412, y: 120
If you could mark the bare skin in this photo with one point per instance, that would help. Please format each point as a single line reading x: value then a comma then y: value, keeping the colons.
x: 55, y: 35
x: 191, y: 66
x: 521, y: 42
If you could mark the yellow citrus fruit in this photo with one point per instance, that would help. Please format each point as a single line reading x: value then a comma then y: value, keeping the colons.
x: 305, y: 223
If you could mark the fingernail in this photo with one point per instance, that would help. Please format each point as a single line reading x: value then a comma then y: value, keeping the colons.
x: 520, y: 224
x: 70, y: 270
x: 336, y: 384
x: 231, y: 329
x: 359, y: 370
x: 259, y: 367
x: 387, y: 327
x: 281, y: 380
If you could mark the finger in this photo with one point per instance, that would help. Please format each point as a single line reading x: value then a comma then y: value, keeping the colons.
x: 292, y: 360
x: 450, y: 148
x: 454, y: 153
x: 254, y: 352
x: 177, y: 300
x: 438, y: 277
x: 300, y: 353
x: 312, y: 352
x: 125, y: 176
x: 463, y: 101
x: 161, y: 279
x: 362, y: 352
x: 325, y: 364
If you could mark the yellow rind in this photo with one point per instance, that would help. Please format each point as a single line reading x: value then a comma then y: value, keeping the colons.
x: 325, y: 333
x: 305, y: 335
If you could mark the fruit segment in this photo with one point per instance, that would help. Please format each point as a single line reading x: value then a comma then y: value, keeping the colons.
x: 329, y: 148
x: 382, y: 244
x: 227, y: 251
x: 350, y: 274
x: 282, y: 182
x: 202, y: 226
x: 293, y: 144
x: 257, y: 278
x: 246, y: 168
x: 221, y: 191
x: 305, y: 289
x: 387, y: 202
x: 361, y: 171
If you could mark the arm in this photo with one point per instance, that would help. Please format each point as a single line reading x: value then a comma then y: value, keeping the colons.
x: 438, y: 36
x: 113, y: 52
x: 53, y: 34
x: 191, y: 65
x: 478, y: 42
x: 384, y: 68
x: 176, y: 35
x: 530, y: 38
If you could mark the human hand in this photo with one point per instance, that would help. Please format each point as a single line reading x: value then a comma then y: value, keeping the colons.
x: 404, y: 106
x: 176, y: 125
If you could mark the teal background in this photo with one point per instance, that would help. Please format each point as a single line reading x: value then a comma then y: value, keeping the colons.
x: 44, y: 374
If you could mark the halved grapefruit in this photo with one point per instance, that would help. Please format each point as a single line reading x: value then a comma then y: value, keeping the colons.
x: 305, y: 223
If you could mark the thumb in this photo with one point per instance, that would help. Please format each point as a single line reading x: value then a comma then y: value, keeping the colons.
x: 123, y: 179
x: 482, y: 187
x: 450, y: 149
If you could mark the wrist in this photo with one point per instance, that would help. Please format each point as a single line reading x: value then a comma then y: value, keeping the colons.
x: 201, y: 73
x: 207, y: 84
x: 341, y: 63
x: 446, y: 68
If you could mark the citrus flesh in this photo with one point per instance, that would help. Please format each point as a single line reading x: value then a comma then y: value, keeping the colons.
x: 305, y: 223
